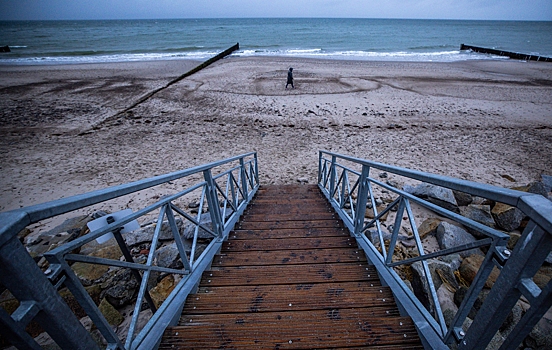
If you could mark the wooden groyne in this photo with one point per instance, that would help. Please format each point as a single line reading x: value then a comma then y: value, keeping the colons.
x: 514, y: 55
x: 151, y: 93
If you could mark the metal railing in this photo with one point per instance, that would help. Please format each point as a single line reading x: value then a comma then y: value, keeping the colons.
x: 347, y: 184
x: 227, y: 186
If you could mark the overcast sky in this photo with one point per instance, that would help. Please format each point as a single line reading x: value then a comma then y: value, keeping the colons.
x: 137, y: 9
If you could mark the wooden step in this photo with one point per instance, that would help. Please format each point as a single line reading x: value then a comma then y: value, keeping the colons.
x: 292, y: 257
x: 285, y: 274
x: 288, y: 233
x: 290, y: 297
x: 289, y: 244
x: 290, y: 276
x: 297, y: 330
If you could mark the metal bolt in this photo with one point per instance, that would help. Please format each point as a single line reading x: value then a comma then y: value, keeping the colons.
x: 462, y: 333
x: 400, y: 323
x: 291, y: 341
x: 383, y: 299
x: 404, y: 335
x: 506, y: 252
x: 290, y: 304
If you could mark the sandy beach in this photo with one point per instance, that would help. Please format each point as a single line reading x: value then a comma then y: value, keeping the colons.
x: 476, y: 120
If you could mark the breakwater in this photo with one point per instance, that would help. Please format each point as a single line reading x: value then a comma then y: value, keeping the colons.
x: 514, y: 55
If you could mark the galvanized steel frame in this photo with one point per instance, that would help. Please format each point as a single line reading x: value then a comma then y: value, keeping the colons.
x: 37, y: 292
x: 517, y: 268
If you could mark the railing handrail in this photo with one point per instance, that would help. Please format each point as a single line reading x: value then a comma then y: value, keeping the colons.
x: 530, y: 203
x: 15, y: 220
x: 517, y: 268
x: 37, y: 290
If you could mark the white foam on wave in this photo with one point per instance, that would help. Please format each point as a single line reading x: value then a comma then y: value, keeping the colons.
x: 440, y: 56
x: 198, y: 55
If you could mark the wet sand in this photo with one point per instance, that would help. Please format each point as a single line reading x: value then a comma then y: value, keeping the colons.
x: 475, y: 120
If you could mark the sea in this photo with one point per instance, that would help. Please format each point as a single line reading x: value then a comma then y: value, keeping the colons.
x: 94, y: 41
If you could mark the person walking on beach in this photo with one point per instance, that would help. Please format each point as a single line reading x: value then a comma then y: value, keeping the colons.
x: 290, y: 78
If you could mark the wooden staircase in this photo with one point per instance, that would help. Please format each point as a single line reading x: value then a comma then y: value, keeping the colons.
x: 290, y: 276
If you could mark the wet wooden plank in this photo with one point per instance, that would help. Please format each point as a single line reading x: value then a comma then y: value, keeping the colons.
x: 285, y: 332
x: 286, y: 209
x: 290, y: 217
x: 288, y: 233
x: 291, y: 297
x: 289, y: 244
x: 294, y: 257
x: 287, y: 274
x: 283, y: 224
x: 298, y: 316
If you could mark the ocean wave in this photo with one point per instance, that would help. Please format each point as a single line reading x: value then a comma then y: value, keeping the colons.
x: 69, y: 59
x: 187, y: 53
x: 438, y: 56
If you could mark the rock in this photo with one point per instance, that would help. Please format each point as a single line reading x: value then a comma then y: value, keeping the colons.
x: 168, y: 256
x: 535, y: 188
x: 383, y: 175
x: 193, y: 205
x: 442, y: 274
x: 202, y: 234
x: 393, y: 183
x: 448, y: 307
x: 542, y: 276
x: 514, y: 238
x: 143, y: 318
x: 443, y: 197
x: 112, y: 316
x: 547, y: 182
x: 98, y: 214
x: 162, y: 290
x: 119, y: 287
x: 59, y: 235
x: 471, y: 265
x: 428, y: 227
x: 303, y: 180
x: 374, y: 237
x: 369, y: 213
x: 541, y: 335
x: 462, y: 198
x: 478, y: 213
x: 508, y: 177
x: 507, y: 217
x: 146, y: 234
x: 90, y: 273
x: 449, y: 236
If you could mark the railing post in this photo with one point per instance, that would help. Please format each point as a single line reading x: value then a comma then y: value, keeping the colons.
x: 243, y: 175
x: 530, y: 252
x: 256, y: 167
x: 319, y: 166
x: 332, y: 177
x: 362, y: 198
x: 212, y: 200
x: 28, y: 283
